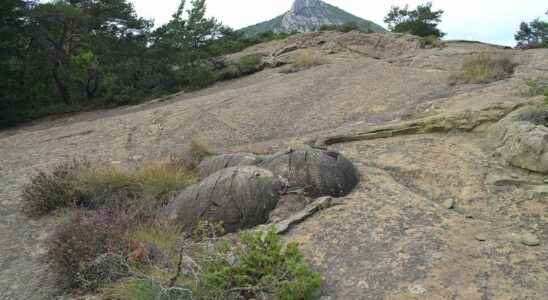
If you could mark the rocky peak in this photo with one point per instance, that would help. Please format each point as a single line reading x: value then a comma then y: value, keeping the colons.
x: 310, y: 15
x: 300, y: 5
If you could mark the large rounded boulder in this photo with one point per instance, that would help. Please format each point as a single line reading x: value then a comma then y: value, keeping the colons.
x: 239, y: 197
x: 216, y: 163
x: 318, y: 172
x: 521, y: 138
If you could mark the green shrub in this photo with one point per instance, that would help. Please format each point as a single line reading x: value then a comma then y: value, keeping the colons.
x: 250, y: 64
x: 264, y: 266
x: 430, y: 41
x: 258, y: 265
x: 484, y: 68
x: 533, y: 87
x: 147, y: 289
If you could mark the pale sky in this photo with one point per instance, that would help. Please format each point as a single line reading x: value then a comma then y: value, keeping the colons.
x: 493, y: 21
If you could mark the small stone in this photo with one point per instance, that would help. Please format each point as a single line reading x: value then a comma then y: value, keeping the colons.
x: 529, y: 239
x: 480, y: 237
x: 449, y: 203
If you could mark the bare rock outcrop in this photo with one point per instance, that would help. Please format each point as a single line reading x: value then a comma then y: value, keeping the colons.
x: 521, y: 138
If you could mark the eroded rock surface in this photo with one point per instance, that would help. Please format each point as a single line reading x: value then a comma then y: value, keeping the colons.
x: 317, y: 172
x: 522, y: 138
x: 215, y: 163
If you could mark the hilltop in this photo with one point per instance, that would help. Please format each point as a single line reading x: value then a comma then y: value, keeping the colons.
x: 311, y: 15
x: 451, y: 203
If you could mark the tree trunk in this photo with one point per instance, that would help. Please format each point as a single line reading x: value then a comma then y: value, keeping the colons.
x: 61, y: 87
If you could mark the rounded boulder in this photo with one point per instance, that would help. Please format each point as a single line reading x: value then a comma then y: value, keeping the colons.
x: 216, y: 163
x: 239, y: 197
x: 318, y: 172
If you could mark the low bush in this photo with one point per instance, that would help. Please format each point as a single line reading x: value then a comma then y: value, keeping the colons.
x: 246, y: 65
x: 250, y: 64
x: 78, y: 184
x: 48, y: 191
x: 304, y: 60
x: 308, y: 59
x: 75, y: 248
x: 484, y: 68
x: 430, y: 41
x: 347, y: 27
x: 256, y: 266
x: 533, y: 87
x: 264, y: 266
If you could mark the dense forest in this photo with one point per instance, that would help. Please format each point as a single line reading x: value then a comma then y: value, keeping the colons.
x: 72, y: 55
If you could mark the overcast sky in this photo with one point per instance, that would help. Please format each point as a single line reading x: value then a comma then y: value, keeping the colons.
x: 493, y: 21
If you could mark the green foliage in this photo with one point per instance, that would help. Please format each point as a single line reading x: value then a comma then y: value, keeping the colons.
x: 265, y: 266
x: 250, y: 64
x: 430, y: 41
x: 421, y: 22
x: 65, y: 56
x: 78, y: 184
x: 484, y: 68
x: 346, y: 27
x: 534, y: 87
x: 146, y: 289
x: 532, y: 35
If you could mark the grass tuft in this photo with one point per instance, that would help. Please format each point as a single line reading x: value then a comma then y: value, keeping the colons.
x: 80, y: 185
x: 484, y: 68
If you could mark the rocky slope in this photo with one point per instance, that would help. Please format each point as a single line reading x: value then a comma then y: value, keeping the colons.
x: 310, y: 15
x: 438, y: 214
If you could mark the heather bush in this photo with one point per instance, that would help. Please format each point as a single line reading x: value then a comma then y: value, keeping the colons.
x: 75, y: 247
x: 49, y: 191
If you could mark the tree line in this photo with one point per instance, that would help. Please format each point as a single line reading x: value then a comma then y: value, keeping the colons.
x: 72, y: 55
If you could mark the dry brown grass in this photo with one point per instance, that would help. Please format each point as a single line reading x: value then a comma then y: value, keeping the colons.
x: 308, y: 59
x: 195, y: 153
x: 83, y: 185
x: 484, y: 68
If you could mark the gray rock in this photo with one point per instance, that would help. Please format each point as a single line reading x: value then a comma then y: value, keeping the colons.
x: 449, y: 203
x: 480, y: 237
x: 213, y: 164
x: 529, y: 239
x: 521, y: 138
x: 318, y: 172
x: 240, y: 197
